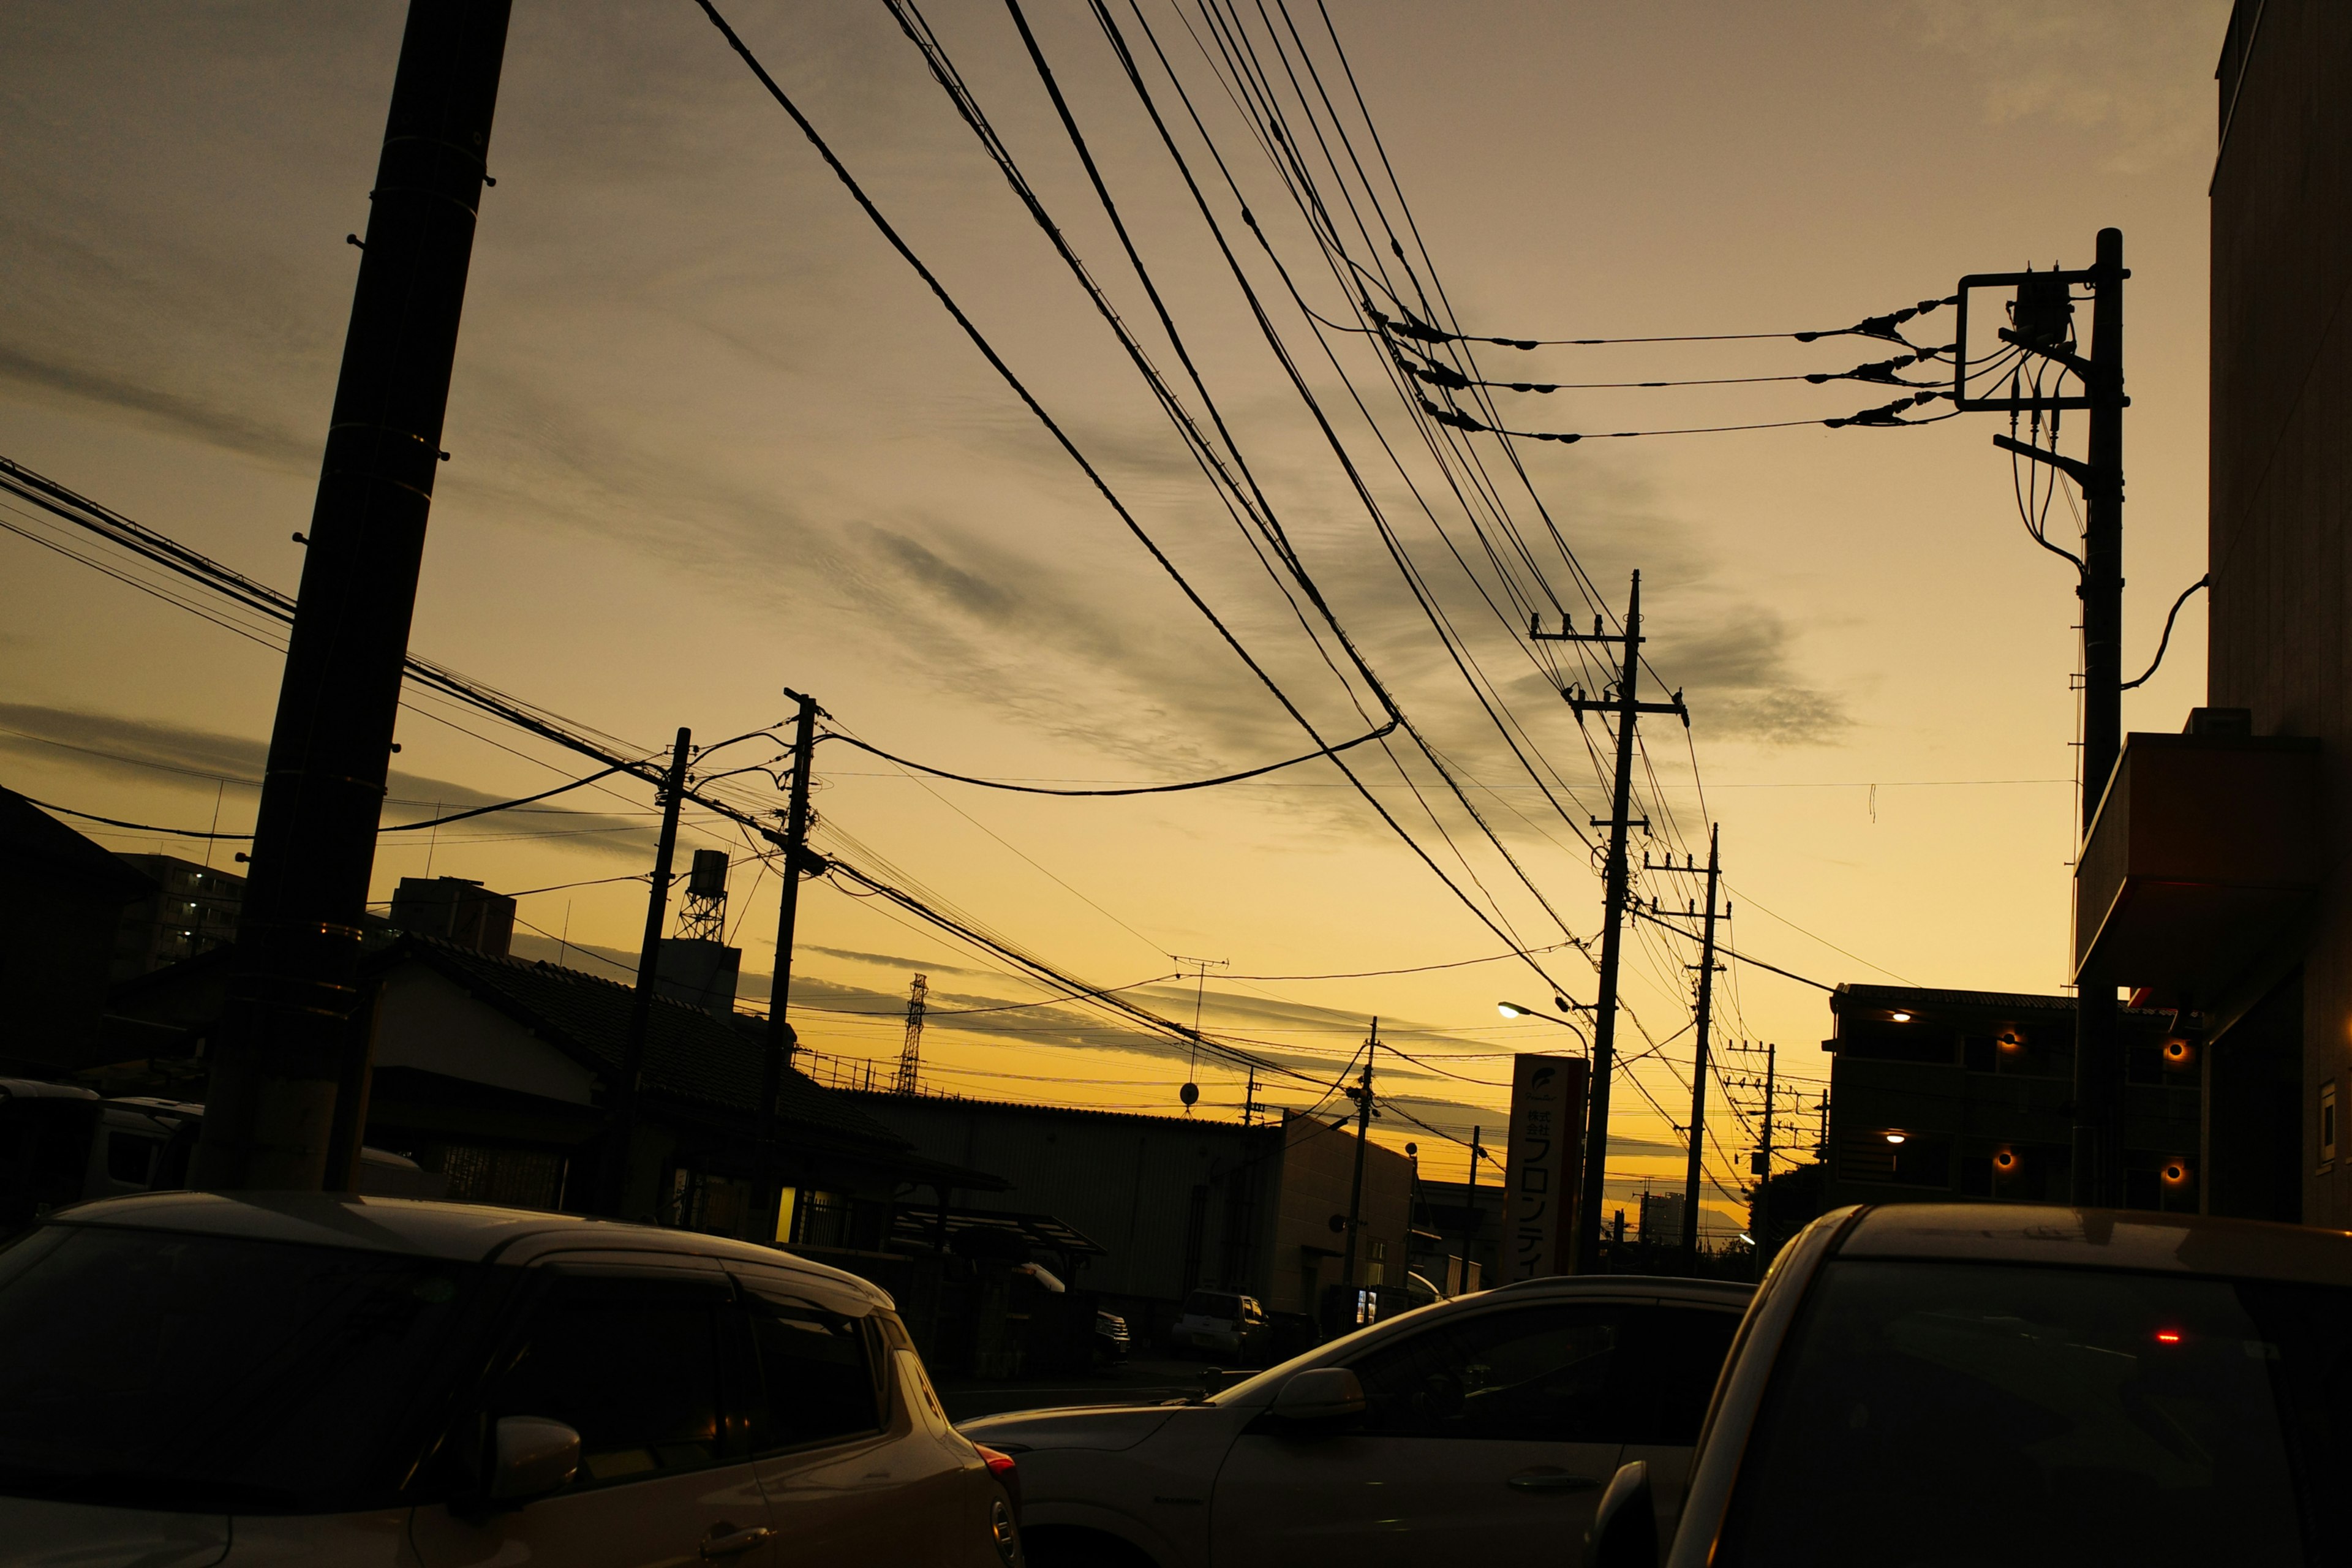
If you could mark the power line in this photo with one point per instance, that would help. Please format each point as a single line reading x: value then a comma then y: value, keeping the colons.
x: 1384, y: 729
x: 1882, y: 327
x: 1038, y: 409
x: 134, y: 826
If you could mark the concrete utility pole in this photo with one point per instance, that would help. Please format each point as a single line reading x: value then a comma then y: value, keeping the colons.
x: 2098, y: 1162
x: 613, y: 1185
x: 1363, y: 1133
x: 1763, y: 1214
x: 1470, y: 1221
x: 294, y: 1029
x: 2042, y: 327
x: 1700, y: 1022
x: 793, y: 846
x: 1622, y: 704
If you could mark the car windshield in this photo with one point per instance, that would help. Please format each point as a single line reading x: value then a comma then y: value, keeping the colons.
x: 163, y: 1370
x: 1211, y: 1304
x: 1944, y: 1415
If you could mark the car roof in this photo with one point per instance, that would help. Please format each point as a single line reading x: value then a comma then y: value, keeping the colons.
x: 462, y: 1233
x: 1731, y: 1291
x: 2142, y: 1241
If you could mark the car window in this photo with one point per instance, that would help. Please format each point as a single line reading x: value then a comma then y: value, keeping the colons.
x: 1211, y: 1304
x: 632, y: 1365
x: 163, y: 1370
x: 131, y: 1156
x: 1666, y: 1370
x: 1532, y: 1374
x: 817, y: 1373
x: 1958, y: 1412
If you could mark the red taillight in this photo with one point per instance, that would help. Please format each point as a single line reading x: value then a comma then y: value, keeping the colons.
x: 2163, y: 1337
x: 1008, y: 1474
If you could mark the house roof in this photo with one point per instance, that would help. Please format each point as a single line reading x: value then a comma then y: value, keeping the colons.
x: 32, y: 837
x: 1925, y: 999
x: 690, y: 1054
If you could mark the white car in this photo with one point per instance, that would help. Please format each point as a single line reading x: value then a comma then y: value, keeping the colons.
x: 1950, y: 1385
x: 1481, y: 1429
x: 189, y: 1379
x: 1219, y: 1322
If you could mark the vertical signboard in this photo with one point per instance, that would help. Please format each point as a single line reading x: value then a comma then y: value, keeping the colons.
x: 1543, y: 1164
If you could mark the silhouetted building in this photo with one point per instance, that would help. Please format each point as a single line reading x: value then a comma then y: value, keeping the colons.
x: 1938, y: 1096
x: 1661, y: 1219
x: 61, y: 899
x: 1178, y: 1203
x: 1451, y: 1215
x: 193, y: 910
x: 2214, y: 875
x: 698, y: 972
x: 454, y: 910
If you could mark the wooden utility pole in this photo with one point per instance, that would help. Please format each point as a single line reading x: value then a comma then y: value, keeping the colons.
x: 293, y: 1038
x: 1623, y: 704
x: 793, y: 846
x: 613, y: 1187
x: 1701, y: 1018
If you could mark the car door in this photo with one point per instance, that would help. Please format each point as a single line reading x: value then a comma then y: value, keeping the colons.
x: 1673, y: 1354
x: 1487, y: 1435
x: 636, y: 1358
x: 852, y: 1472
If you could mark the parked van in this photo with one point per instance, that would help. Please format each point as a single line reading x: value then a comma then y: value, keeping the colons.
x: 60, y: 1144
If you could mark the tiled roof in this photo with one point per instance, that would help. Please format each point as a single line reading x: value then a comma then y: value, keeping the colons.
x: 690, y: 1054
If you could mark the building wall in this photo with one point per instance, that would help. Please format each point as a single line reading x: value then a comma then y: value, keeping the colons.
x: 1453, y: 1209
x: 1171, y: 1200
x: 1973, y: 1079
x: 1175, y: 1202
x: 56, y: 939
x: 1318, y: 1168
x: 193, y: 910
x: 2280, y: 488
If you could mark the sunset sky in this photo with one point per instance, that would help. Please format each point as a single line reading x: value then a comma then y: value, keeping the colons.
x: 712, y: 438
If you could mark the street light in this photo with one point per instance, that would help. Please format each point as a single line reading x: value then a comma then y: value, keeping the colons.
x: 1513, y: 1010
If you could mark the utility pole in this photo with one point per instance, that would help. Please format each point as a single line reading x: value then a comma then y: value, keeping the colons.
x: 286, y: 1108
x: 1762, y: 1217
x: 1701, y: 1018
x: 2042, y: 326
x: 794, y: 847
x: 1252, y: 1108
x: 622, y: 1131
x: 1191, y: 1093
x: 1622, y: 704
x: 1363, y: 1134
x: 1470, y: 1220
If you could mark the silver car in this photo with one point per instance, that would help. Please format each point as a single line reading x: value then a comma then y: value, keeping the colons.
x: 1478, y: 1429
x: 189, y: 1379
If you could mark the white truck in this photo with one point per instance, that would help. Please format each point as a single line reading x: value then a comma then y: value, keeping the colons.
x: 60, y: 1143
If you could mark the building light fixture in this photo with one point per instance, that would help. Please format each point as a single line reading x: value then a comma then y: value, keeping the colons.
x: 1895, y: 1137
x: 1898, y: 1017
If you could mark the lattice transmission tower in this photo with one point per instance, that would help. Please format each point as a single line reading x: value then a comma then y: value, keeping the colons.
x: 910, y: 1056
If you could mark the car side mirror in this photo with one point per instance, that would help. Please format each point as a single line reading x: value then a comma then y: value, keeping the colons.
x: 1320, y: 1394
x: 530, y: 1457
x: 1625, y: 1526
